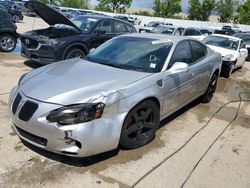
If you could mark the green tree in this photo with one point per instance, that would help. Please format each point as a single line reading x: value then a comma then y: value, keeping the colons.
x: 75, y: 3
x: 114, y: 5
x: 167, y: 8
x: 243, y: 13
x: 225, y: 9
x: 200, y: 10
x: 143, y: 13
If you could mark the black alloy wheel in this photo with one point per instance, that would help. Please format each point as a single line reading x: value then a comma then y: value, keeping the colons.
x: 207, y: 97
x: 140, y: 125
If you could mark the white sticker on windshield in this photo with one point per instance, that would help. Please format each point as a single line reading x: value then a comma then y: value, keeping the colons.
x: 152, y: 65
x: 161, y: 41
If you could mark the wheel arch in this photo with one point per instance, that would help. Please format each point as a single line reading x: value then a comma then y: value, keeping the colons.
x: 80, y: 45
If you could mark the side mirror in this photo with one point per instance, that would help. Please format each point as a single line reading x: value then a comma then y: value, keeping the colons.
x: 100, y: 32
x: 92, y: 50
x: 179, y: 67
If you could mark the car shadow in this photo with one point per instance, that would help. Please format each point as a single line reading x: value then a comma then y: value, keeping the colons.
x: 32, y: 64
x: 88, y: 161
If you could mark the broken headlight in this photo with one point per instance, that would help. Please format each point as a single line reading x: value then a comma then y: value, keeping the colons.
x: 75, y: 114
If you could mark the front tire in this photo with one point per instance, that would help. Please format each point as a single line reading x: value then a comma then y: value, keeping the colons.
x: 229, y: 71
x: 16, y: 18
x: 74, y: 53
x: 207, y: 97
x: 140, y: 125
x: 7, y: 43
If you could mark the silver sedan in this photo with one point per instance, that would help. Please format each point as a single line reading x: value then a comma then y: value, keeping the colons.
x: 117, y: 95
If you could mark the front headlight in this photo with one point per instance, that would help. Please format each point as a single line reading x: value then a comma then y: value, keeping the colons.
x: 228, y: 57
x: 75, y: 114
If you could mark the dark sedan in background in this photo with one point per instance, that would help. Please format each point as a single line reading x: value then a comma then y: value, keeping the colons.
x: 8, y: 34
x: 66, y: 38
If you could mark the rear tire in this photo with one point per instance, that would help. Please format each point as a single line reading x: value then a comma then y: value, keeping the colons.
x: 7, y: 43
x: 140, y: 125
x: 207, y: 97
x: 74, y: 53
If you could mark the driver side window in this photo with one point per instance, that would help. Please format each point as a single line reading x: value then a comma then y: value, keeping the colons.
x: 106, y: 26
x: 182, y: 53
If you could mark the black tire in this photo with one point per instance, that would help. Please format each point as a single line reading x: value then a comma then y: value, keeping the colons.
x: 16, y: 18
x: 229, y: 71
x: 208, y: 95
x: 74, y: 52
x: 140, y: 125
x: 7, y: 43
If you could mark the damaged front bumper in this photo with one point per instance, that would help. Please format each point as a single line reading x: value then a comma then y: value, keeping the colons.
x: 79, y: 140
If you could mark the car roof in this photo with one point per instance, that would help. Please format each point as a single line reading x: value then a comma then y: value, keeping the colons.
x: 173, y: 38
x: 227, y: 36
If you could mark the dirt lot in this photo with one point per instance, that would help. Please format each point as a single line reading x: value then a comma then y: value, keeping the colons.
x: 195, y: 147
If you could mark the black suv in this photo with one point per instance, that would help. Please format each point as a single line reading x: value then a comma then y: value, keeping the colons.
x: 8, y: 34
x: 16, y: 15
x: 66, y: 38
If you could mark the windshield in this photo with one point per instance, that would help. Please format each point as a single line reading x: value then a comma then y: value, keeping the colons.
x: 132, y: 53
x: 163, y: 30
x: 222, y: 42
x: 153, y: 24
x: 246, y: 38
x: 84, y: 23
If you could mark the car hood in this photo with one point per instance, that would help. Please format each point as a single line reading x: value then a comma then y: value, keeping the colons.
x: 77, y: 81
x: 48, y: 14
x: 222, y: 51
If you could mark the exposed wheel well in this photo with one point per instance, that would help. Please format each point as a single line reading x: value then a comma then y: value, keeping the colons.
x: 154, y: 99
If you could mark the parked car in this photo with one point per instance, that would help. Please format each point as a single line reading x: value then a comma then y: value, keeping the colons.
x: 66, y: 38
x: 8, y: 34
x: 16, y: 15
x: 170, y: 30
x: 246, y: 38
x: 124, y: 18
x: 232, y: 50
x: 66, y: 13
x: 163, y: 29
x: 205, y: 31
x: 91, y: 105
x: 150, y: 26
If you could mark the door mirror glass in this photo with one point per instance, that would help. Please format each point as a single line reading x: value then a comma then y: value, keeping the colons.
x: 179, y: 67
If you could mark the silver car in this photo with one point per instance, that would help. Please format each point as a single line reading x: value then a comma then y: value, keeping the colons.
x: 116, y: 95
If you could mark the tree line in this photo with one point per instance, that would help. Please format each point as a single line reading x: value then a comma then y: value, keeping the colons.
x: 227, y: 10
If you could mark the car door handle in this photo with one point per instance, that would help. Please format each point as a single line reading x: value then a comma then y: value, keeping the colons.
x: 191, y: 74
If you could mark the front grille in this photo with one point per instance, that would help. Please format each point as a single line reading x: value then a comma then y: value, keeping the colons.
x: 32, y: 137
x: 28, y: 109
x: 29, y: 43
x: 16, y: 103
